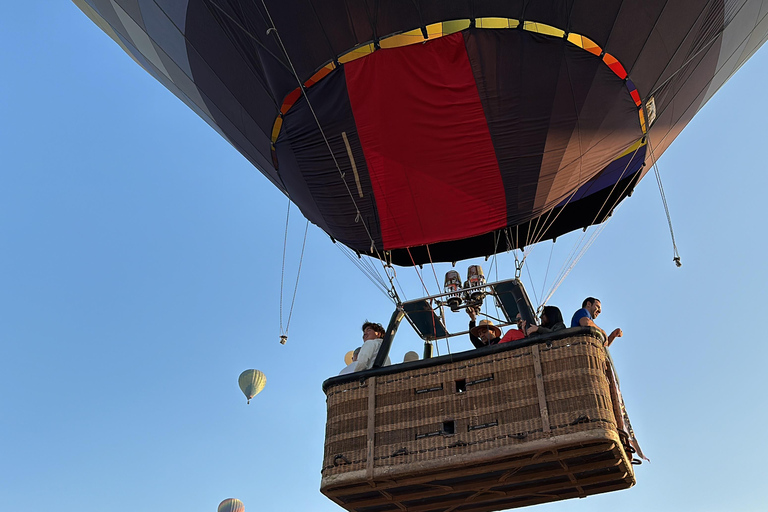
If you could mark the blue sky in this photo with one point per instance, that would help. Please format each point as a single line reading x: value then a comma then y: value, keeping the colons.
x: 140, y: 264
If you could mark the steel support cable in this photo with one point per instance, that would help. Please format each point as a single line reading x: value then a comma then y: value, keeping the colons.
x: 358, y: 215
x: 535, y: 296
x: 577, y: 253
x: 579, y: 140
x: 426, y: 292
x: 372, y: 275
x: 596, y: 233
x: 568, y: 200
x: 362, y: 266
x: 676, y: 257
x: 591, y: 240
x: 567, y: 268
x: 546, y: 272
x: 704, y: 47
x: 431, y: 264
x: 423, y: 284
x: 442, y: 311
x: 402, y: 290
x: 548, y: 225
x: 325, y: 34
x: 252, y: 37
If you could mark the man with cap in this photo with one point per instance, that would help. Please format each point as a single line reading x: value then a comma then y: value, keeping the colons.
x: 485, y: 333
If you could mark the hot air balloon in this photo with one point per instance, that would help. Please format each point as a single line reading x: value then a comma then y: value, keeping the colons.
x: 348, y: 357
x: 524, y: 120
x: 231, y: 505
x: 430, y: 131
x: 251, y: 383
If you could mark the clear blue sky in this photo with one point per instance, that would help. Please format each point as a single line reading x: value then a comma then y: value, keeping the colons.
x: 140, y: 263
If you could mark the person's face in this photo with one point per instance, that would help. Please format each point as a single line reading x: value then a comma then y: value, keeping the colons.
x: 485, y: 333
x: 594, y: 309
x: 543, y: 318
x: 369, y: 334
x: 519, y: 321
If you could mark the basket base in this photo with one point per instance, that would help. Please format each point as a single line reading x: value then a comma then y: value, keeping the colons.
x: 560, y: 467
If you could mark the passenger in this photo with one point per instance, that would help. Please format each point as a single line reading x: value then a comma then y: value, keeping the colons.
x: 373, y: 335
x: 484, y: 334
x: 515, y: 334
x: 590, y: 309
x: 351, y: 366
x: 551, y: 321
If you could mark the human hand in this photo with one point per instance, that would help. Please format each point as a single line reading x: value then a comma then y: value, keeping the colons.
x: 617, y: 333
x: 532, y: 329
x: 472, y: 312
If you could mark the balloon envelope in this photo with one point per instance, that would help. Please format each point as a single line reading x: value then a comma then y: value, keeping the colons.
x: 348, y: 356
x: 231, y: 505
x: 513, y: 122
x: 410, y: 356
x: 251, y: 383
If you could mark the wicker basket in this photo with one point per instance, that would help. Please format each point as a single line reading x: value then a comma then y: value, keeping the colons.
x: 499, y: 429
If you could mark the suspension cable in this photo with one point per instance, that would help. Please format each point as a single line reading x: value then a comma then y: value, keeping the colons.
x: 423, y: 284
x: 546, y: 272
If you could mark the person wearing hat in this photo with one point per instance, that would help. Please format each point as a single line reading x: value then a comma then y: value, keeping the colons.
x: 484, y: 333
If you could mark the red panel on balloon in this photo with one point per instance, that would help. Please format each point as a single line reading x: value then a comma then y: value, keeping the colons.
x: 426, y: 142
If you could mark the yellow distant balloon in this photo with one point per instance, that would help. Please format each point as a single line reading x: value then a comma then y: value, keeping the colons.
x: 251, y: 383
x: 410, y: 356
x: 348, y: 356
x: 232, y: 504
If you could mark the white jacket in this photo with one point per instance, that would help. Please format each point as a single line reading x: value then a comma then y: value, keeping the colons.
x: 367, y: 355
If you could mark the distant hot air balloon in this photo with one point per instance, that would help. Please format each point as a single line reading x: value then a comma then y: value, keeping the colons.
x: 251, y: 383
x: 410, y: 356
x: 232, y: 504
x: 348, y: 357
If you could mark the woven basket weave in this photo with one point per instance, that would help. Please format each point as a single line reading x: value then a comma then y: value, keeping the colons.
x: 503, y: 429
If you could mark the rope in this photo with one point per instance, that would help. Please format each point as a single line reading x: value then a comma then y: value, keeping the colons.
x: 284, y: 331
x: 358, y: 215
x: 298, y: 273
x: 282, y: 270
x: 676, y: 255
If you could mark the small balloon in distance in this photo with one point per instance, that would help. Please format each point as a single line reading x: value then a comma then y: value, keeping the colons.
x: 231, y: 505
x: 251, y: 383
x: 348, y: 357
x: 410, y: 356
